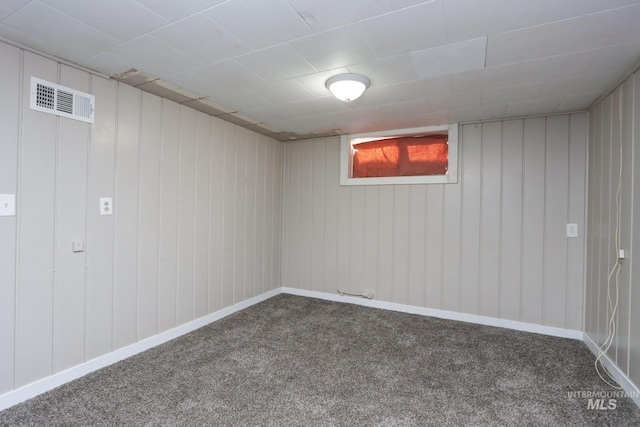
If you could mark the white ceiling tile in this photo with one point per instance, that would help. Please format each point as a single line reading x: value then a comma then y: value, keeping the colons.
x: 505, y: 94
x: 14, y: 4
x: 108, y: 64
x: 615, y: 58
x: 276, y: 63
x: 155, y: 57
x: 377, y: 95
x: 173, y: 10
x: 577, y: 102
x: 328, y: 14
x: 335, y: 48
x: 468, y: 19
x: 609, y: 28
x: 187, y: 35
x: 324, y: 105
x: 386, y: 71
x: 550, y: 10
x: 596, y: 13
x: 354, y: 112
x: 4, y: 12
x: 478, y: 113
x: 484, y: 79
x: 122, y: 19
x: 533, y: 107
x: 329, y: 104
x: 449, y: 103
x: 284, y: 91
x: 401, y: 4
x: 305, y: 124
x: 269, y: 114
x: 433, y: 119
x: 516, y: 46
x: 260, y: 23
x: 410, y: 108
x: 357, y: 121
x: 438, y: 86
x: 588, y: 84
x: 451, y: 58
x: 413, y: 28
x: 556, y: 67
x: 229, y: 73
x: 40, y: 27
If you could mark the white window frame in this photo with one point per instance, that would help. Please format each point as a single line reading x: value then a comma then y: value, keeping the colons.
x: 346, y: 157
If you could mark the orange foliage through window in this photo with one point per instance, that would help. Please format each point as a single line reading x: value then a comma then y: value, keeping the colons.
x: 406, y: 156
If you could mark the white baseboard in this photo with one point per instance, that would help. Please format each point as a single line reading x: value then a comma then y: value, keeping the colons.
x: 38, y: 387
x: 442, y: 314
x: 629, y: 387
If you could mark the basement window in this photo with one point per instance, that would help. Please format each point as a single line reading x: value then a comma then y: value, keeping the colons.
x: 426, y: 155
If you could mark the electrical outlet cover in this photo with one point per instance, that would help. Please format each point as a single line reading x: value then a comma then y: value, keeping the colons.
x: 7, y: 204
x: 106, y: 206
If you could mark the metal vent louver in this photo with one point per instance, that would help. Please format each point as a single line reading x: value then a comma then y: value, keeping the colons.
x: 61, y: 101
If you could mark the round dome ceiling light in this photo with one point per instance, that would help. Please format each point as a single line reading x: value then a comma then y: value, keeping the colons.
x: 347, y: 87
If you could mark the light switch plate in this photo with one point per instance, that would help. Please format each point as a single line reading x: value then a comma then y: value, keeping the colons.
x: 106, y: 206
x: 7, y: 204
x: 572, y: 230
x: 77, y: 246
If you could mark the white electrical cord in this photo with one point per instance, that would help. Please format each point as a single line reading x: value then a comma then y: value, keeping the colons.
x: 614, y: 272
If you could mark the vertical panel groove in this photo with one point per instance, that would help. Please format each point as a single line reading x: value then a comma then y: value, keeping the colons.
x: 568, y: 205
x: 545, y: 216
x: 159, y: 227
x: 462, y: 159
x: 522, y: 228
x: 195, y: 223
x: 632, y: 227
x: 87, y: 198
x: 56, y: 219
x: 178, y: 253
x: 19, y: 169
x: 425, y: 273
x: 500, y: 230
x: 442, y: 251
x: 544, y: 221
x: 137, y: 237
x: 115, y: 194
x: 480, y: 223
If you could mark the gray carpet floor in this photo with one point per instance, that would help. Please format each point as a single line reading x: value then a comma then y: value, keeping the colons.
x: 301, y: 361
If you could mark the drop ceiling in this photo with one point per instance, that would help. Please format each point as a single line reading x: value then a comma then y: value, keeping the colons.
x: 263, y: 63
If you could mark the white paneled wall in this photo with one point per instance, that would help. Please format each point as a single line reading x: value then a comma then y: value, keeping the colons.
x: 614, y: 121
x: 493, y: 245
x: 196, y: 228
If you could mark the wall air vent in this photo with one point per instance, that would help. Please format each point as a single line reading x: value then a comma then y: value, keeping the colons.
x: 62, y: 101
